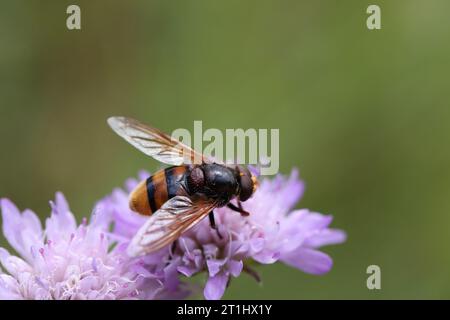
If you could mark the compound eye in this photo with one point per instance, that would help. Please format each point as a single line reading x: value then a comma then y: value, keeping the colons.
x: 246, y: 182
x: 246, y: 188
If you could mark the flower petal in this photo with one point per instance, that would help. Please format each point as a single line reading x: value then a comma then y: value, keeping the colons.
x: 171, y: 280
x: 214, y: 266
x: 309, y: 260
x: 304, y: 220
x: 326, y: 237
x: 215, y: 286
x: 62, y: 222
x: 21, y: 230
x: 13, y: 265
x: 257, y: 244
x: 235, y: 267
x: 267, y: 256
x: 9, y: 288
x: 188, y: 271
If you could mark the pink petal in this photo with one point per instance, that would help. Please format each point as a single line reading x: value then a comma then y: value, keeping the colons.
x: 215, y: 286
x: 171, y: 280
x: 9, y: 288
x: 21, y: 230
x: 257, y: 244
x: 309, y: 261
x: 267, y: 256
x: 13, y: 265
x: 303, y: 220
x: 188, y: 271
x: 62, y: 222
x: 89, y: 283
x: 325, y: 237
x: 235, y: 267
x: 214, y: 266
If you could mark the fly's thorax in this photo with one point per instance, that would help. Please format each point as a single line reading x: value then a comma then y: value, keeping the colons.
x: 220, y: 180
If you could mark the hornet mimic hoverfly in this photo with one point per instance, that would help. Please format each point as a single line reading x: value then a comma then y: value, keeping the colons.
x: 180, y: 196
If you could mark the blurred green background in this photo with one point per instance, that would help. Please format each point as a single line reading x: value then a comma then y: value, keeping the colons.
x: 364, y: 114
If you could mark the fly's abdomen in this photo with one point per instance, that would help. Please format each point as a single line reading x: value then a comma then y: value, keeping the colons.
x: 152, y: 193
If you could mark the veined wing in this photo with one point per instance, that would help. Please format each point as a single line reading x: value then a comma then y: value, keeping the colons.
x: 175, y: 217
x: 155, y: 143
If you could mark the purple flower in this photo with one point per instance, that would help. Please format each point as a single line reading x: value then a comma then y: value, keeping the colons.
x: 89, y: 261
x: 66, y: 261
x: 273, y: 232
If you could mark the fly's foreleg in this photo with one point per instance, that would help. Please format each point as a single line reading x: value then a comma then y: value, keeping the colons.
x: 238, y: 209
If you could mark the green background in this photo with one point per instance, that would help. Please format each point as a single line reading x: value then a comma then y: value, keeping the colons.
x: 363, y: 114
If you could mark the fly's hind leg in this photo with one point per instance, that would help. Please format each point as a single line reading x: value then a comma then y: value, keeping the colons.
x: 212, y: 222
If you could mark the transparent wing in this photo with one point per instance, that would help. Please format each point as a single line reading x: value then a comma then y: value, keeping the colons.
x: 175, y: 217
x: 156, y: 143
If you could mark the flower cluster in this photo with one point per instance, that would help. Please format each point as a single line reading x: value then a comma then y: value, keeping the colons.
x: 89, y: 261
x: 66, y: 261
x: 273, y: 232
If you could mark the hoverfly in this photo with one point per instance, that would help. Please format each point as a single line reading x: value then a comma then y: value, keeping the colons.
x: 180, y: 196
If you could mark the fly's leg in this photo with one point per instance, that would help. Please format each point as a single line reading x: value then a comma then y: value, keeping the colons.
x: 212, y: 222
x: 238, y: 209
x: 173, y: 247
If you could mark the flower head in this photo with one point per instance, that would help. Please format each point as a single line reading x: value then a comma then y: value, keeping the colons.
x: 273, y: 232
x: 66, y: 261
